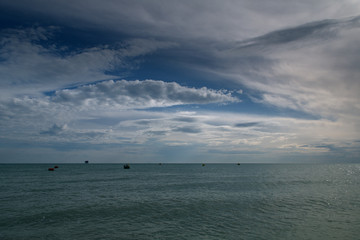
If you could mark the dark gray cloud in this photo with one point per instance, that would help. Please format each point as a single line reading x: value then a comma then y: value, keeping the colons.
x: 185, y: 119
x: 188, y: 129
x: 319, y: 31
x: 330, y: 147
x: 182, y: 19
x: 54, y: 130
x: 64, y: 134
x: 157, y: 133
x: 236, y: 152
x: 247, y: 124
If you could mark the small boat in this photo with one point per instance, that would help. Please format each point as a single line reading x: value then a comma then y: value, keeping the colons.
x: 56, y: 166
x: 126, y: 166
x: 51, y: 169
x: 86, y: 162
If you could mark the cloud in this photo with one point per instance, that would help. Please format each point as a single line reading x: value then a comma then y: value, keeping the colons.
x: 33, y: 60
x: 28, y: 60
x: 286, y: 56
x: 309, y: 68
x: 156, y: 133
x: 320, y: 79
x: 319, y: 30
x: 140, y: 94
x: 278, y: 66
x: 228, y: 19
x: 54, y: 130
x: 138, y: 130
x: 187, y: 129
x: 185, y: 119
x: 235, y: 152
x: 246, y: 125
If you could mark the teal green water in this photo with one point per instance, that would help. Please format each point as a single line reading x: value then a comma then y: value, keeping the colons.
x: 180, y: 201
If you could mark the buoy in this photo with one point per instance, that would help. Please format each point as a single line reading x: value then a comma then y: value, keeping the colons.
x: 203, y: 164
x: 51, y: 169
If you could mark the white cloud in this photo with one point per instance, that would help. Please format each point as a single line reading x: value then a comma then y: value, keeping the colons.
x: 310, y: 68
x: 53, y: 125
x: 30, y: 64
x: 320, y: 79
x: 25, y: 61
x: 140, y: 94
x: 100, y: 112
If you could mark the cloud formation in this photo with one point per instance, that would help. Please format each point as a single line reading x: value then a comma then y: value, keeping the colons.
x: 84, y: 79
x: 307, y: 68
x: 228, y: 19
x: 54, y: 130
x: 31, y: 57
x: 246, y: 125
x: 140, y: 94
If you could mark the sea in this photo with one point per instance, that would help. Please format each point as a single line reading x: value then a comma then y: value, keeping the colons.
x: 180, y: 201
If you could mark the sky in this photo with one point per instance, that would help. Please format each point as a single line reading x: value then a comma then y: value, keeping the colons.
x: 149, y: 81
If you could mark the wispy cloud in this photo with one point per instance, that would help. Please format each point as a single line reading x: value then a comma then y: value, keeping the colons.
x: 30, y: 59
x: 306, y: 68
x: 78, y: 79
x: 317, y: 31
x: 232, y: 19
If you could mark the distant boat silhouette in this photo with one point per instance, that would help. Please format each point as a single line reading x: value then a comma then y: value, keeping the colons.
x: 126, y: 166
x: 86, y: 162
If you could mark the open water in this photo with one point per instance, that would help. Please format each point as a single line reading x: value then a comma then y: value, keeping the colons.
x: 180, y: 201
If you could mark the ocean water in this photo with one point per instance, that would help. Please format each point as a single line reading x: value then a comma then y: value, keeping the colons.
x: 180, y: 201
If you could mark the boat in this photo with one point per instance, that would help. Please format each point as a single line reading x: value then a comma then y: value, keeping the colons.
x: 126, y: 166
x: 86, y: 162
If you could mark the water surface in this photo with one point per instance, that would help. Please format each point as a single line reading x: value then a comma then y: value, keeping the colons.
x: 180, y: 201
